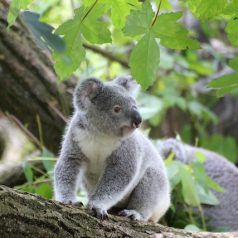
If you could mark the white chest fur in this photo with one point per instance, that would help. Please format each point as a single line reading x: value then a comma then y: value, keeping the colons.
x: 96, y: 148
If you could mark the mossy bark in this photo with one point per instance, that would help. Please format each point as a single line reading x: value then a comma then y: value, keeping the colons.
x: 28, y: 215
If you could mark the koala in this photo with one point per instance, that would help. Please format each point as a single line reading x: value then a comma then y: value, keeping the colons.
x: 225, y: 214
x: 104, y: 153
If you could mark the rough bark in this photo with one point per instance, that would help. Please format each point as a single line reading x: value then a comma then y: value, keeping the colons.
x: 28, y: 215
x: 28, y: 84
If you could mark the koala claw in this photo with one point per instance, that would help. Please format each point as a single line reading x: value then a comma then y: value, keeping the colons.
x: 132, y: 214
x: 99, y: 213
x: 78, y: 204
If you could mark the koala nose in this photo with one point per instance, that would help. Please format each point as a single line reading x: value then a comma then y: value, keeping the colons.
x: 136, y: 118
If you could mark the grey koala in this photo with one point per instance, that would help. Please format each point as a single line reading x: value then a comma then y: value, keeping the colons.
x: 224, y: 215
x: 104, y: 153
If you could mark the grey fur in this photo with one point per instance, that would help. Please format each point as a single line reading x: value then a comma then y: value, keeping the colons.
x: 224, y: 215
x: 105, y: 153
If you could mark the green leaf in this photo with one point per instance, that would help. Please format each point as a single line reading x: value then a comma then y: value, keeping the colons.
x: 172, y: 34
x: 144, y: 60
x: 85, y: 23
x: 206, y: 197
x: 139, y: 21
x: 44, y: 190
x: 67, y: 63
x: 205, y: 9
x: 93, y: 29
x: 229, y: 80
x: 231, y: 8
x: 27, y: 171
x: 120, y: 10
x: 15, y: 7
x: 226, y: 90
x: 233, y: 63
x: 42, y: 32
x: 213, y: 185
x: 232, y: 30
x: 173, y: 170
x: 188, y: 188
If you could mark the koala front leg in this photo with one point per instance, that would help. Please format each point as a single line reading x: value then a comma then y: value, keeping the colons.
x: 68, y: 171
x: 114, y: 184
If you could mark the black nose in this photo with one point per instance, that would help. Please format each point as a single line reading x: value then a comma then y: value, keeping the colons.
x: 136, y: 118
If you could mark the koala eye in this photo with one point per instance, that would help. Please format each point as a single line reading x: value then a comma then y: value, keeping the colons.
x: 117, y: 109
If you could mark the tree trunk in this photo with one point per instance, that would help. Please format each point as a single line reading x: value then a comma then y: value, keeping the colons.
x: 28, y: 84
x: 28, y: 215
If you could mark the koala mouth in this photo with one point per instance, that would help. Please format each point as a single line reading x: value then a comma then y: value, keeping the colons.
x: 135, y: 125
x: 126, y: 130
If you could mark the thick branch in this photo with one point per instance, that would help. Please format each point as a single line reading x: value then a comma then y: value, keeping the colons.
x: 28, y: 84
x: 28, y: 215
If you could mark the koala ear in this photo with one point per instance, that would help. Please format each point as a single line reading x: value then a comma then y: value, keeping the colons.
x: 86, y: 91
x: 128, y: 83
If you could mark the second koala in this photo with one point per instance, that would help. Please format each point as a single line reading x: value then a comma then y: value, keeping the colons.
x: 225, y: 214
x: 103, y: 152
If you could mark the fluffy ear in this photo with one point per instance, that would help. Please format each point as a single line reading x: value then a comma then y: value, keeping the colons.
x: 128, y: 83
x: 86, y: 91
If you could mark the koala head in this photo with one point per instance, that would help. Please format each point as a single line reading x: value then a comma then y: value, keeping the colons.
x: 109, y: 108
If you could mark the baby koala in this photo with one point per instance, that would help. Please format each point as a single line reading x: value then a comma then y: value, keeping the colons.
x: 104, y: 153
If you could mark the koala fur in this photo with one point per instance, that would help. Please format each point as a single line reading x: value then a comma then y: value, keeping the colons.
x: 104, y: 153
x: 225, y: 214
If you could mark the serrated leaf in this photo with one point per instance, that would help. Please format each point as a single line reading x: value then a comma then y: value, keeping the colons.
x: 232, y: 30
x: 85, y: 22
x: 233, y: 63
x: 120, y: 10
x: 15, y: 7
x: 144, y: 60
x: 173, y: 34
x: 42, y: 33
x: 205, y: 9
x: 139, y: 21
x: 93, y: 29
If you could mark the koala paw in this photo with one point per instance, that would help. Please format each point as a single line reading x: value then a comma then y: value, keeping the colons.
x: 98, y: 212
x: 132, y: 214
x: 78, y: 204
x: 75, y: 203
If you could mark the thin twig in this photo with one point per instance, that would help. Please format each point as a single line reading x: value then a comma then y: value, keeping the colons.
x: 24, y: 129
x: 106, y: 55
x: 157, y: 13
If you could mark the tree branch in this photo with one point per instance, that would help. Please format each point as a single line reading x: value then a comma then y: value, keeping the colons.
x: 29, y: 215
x: 106, y: 55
